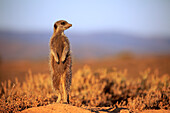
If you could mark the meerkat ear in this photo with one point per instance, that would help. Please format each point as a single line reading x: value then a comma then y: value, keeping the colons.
x: 55, y: 26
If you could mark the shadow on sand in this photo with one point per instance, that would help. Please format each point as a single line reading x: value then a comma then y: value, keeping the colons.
x: 110, y: 110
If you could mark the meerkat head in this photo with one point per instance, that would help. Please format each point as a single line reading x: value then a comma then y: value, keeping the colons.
x: 61, y: 25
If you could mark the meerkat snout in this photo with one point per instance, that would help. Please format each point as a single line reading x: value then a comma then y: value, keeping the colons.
x: 61, y: 25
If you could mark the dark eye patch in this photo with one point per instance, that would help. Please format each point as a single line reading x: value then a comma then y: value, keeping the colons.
x: 55, y: 26
x: 63, y: 23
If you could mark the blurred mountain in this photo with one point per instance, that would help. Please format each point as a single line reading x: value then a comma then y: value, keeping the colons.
x: 15, y: 45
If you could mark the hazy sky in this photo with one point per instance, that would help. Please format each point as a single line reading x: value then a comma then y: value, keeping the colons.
x: 145, y: 17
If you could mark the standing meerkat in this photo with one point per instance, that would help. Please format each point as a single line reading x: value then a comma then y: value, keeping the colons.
x: 60, y: 61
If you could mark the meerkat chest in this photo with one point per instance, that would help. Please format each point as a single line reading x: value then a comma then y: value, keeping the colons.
x: 59, y: 43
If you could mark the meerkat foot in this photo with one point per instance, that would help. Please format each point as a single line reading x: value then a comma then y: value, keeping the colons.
x: 59, y: 98
x: 65, y: 103
x: 65, y: 98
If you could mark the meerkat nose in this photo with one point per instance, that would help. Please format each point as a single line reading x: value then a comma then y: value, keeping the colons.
x: 70, y: 25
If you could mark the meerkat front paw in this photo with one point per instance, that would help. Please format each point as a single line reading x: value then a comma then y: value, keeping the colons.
x: 55, y: 56
x: 65, y: 102
x: 65, y: 52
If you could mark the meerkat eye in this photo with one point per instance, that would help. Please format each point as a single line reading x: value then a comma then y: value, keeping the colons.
x: 63, y: 23
x: 55, y: 26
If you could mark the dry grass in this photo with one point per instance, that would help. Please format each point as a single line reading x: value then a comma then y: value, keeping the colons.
x: 103, y: 87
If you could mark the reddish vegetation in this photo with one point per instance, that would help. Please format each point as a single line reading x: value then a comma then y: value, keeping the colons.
x: 56, y: 108
x: 93, y: 87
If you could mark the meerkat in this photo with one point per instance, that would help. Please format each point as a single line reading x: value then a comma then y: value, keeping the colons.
x: 60, y: 61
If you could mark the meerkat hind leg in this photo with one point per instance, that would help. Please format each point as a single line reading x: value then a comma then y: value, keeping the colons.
x: 64, y: 88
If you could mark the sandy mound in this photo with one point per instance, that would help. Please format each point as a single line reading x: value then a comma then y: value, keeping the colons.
x: 56, y: 108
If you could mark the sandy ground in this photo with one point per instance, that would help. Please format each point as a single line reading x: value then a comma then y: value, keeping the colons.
x: 66, y: 108
x: 56, y: 108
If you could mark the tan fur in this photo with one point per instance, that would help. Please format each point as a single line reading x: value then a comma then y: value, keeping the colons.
x: 60, y: 61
